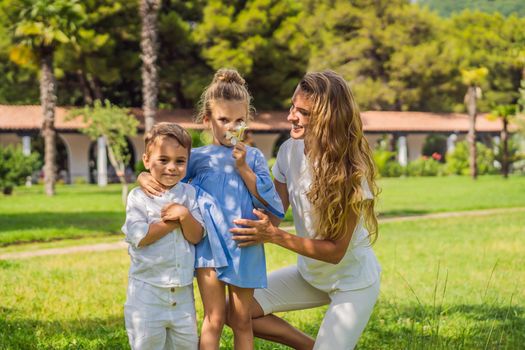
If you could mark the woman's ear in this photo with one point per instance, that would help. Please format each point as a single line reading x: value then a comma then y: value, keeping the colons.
x: 206, y: 121
x: 145, y: 160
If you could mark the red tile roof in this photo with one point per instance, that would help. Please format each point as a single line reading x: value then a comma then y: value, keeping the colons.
x: 30, y: 118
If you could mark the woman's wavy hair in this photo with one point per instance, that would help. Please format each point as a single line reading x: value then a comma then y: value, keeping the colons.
x: 339, y: 157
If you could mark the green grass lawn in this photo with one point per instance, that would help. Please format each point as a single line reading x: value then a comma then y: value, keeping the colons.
x: 90, y: 211
x: 454, y: 283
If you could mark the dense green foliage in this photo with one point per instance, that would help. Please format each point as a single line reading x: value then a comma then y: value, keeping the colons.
x: 15, y: 167
x: 396, y: 55
x: 449, y: 7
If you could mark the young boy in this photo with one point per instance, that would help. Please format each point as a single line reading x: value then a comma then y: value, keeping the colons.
x: 161, y: 232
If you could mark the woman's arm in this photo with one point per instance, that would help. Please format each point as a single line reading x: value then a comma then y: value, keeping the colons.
x: 263, y: 231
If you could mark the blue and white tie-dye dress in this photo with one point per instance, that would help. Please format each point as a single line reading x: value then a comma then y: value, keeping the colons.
x: 212, y: 168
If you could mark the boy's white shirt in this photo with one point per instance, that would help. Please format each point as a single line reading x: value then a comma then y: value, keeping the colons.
x: 168, y: 262
x: 359, y: 267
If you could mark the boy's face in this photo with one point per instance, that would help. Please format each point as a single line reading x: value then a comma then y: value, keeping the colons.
x: 166, y: 160
x: 226, y: 116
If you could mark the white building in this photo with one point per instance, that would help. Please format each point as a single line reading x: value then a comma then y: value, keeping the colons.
x: 77, y: 158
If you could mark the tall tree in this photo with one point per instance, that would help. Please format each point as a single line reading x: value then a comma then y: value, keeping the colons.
x: 263, y: 39
x: 505, y: 113
x: 149, y: 11
x: 390, y: 52
x: 114, y: 125
x: 473, y: 79
x: 40, y: 26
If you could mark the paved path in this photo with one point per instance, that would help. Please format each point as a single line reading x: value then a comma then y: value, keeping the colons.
x: 100, y: 247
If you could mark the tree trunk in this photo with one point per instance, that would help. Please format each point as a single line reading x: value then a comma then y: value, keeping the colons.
x: 505, y: 153
x: 48, y: 101
x: 86, y: 92
x: 120, y: 169
x: 149, y: 10
x: 470, y: 101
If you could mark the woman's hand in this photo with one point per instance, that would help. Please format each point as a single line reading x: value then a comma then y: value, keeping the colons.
x: 239, y: 154
x: 149, y: 185
x: 257, y: 232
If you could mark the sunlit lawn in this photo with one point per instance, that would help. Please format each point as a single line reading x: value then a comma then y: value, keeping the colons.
x: 90, y: 211
x: 449, y: 283
x: 453, y: 283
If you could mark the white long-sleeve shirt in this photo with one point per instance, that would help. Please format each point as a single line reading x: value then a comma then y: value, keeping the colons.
x: 168, y: 262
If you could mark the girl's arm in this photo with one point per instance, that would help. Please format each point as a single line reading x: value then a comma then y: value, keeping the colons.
x: 246, y: 173
x: 262, y: 231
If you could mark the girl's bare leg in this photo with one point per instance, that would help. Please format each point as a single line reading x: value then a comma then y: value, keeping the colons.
x: 239, y: 316
x: 214, y: 302
x: 275, y: 329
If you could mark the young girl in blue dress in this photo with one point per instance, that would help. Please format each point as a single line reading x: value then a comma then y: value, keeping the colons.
x: 238, y: 178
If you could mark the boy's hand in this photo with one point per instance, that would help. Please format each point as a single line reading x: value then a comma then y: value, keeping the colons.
x: 149, y: 185
x: 239, y: 154
x: 174, y: 212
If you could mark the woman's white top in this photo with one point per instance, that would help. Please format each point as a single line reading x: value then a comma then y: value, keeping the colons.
x: 168, y: 262
x: 359, y: 268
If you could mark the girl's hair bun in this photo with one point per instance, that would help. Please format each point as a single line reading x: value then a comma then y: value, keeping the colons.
x: 226, y: 75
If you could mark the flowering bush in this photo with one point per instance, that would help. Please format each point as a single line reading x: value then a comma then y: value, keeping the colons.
x: 426, y: 166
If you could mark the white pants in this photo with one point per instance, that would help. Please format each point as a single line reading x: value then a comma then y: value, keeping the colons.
x: 345, y: 319
x: 160, y: 318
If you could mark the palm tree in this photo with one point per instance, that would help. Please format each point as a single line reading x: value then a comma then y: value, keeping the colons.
x: 39, y: 27
x: 473, y: 79
x: 505, y: 113
x: 149, y: 10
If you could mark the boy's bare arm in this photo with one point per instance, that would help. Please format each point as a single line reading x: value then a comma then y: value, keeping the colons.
x: 156, y: 231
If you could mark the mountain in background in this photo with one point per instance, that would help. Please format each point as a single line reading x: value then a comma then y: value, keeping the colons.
x: 448, y: 7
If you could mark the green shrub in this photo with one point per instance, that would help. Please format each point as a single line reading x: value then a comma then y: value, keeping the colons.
x: 381, y: 158
x: 458, y: 160
x: 139, y: 167
x: 393, y: 169
x: 15, y: 167
x: 424, y: 166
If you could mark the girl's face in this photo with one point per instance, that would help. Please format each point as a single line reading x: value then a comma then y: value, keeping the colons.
x: 225, y: 116
x: 299, y: 115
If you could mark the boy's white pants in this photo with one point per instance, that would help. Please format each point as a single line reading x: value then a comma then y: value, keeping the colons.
x: 160, y: 318
x: 345, y: 319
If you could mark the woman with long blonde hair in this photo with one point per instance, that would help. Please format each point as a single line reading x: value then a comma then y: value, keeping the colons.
x: 326, y: 173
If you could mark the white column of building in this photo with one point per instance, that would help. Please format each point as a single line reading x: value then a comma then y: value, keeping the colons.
x: 402, y: 150
x: 78, y: 155
x: 26, y: 149
x: 451, y: 142
x: 26, y: 145
x: 102, y: 162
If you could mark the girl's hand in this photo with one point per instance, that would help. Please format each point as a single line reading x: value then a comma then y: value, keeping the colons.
x: 149, y: 185
x: 239, y: 154
x: 174, y: 212
x: 257, y: 232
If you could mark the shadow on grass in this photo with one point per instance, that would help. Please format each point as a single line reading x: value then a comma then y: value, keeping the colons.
x: 47, y: 226
x: 402, y: 212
